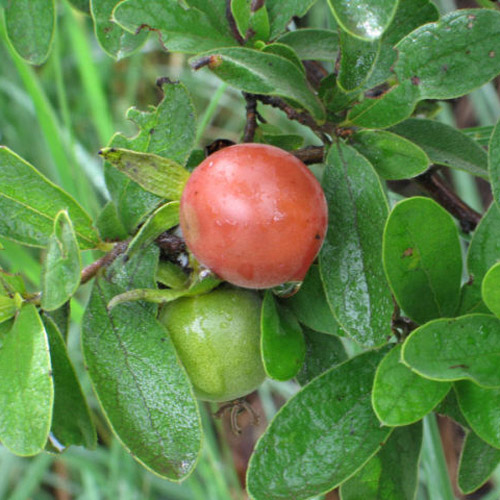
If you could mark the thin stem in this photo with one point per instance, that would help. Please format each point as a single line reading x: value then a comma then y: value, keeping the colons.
x: 91, y: 270
x: 251, y: 123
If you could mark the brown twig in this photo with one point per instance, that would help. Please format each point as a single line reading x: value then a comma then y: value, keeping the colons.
x: 92, y: 269
x: 232, y: 23
x: 251, y: 123
x: 315, y: 72
x: 435, y: 186
x: 310, y: 154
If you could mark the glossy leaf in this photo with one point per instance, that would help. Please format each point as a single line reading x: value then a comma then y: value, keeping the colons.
x: 491, y: 289
x: 445, y: 145
x: 494, y: 163
x: 322, y: 353
x: 33, y: 202
x: 260, y: 73
x: 30, y: 28
x: 400, y: 396
x: 72, y: 423
x: 409, y: 15
x: 282, y: 341
x: 392, y: 156
x: 180, y: 29
x: 441, y: 73
x: 62, y: 264
x: 392, y: 474
x: 310, y: 306
x: 157, y: 175
x: 477, y: 462
x: 484, y: 252
x: 381, y: 112
x: 351, y: 256
x: 312, y: 43
x: 281, y: 13
x: 114, y: 40
x: 467, y: 347
x: 479, y: 406
x: 364, y: 19
x: 140, y: 383
x: 356, y: 62
x: 422, y: 259
x: 162, y: 219
x: 321, y: 436
x: 26, y: 386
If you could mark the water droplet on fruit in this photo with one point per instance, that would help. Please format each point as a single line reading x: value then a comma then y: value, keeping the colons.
x: 287, y: 289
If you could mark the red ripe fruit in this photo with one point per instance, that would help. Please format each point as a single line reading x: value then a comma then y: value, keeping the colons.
x: 255, y: 215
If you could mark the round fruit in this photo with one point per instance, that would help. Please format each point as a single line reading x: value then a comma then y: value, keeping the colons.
x: 217, y: 337
x: 255, y: 215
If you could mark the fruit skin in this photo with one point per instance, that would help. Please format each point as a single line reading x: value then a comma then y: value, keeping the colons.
x: 255, y: 215
x: 217, y: 337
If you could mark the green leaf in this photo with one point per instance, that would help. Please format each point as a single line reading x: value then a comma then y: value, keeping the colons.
x: 310, y: 306
x: 72, y: 423
x: 392, y: 107
x: 26, y: 386
x: 61, y: 318
x: 281, y: 13
x: 112, y: 38
x: 410, y: 14
x: 282, y: 341
x: 445, y: 145
x: 165, y: 217
x: 491, y: 289
x: 81, y: 5
x: 240, y: 9
x: 357, y: 61
x: 450, y: 408
x: 282, y: 50
x: 400, y: 396
x: 351, y: 257
x: 467, y: 347
x: 423, y: 259
x: 30, y: 28
x: 62, y: 264
x: 32, y: 203
x: 9, y: 306
x: 321, y: 436
x: 484, y: 252
x: 362, y: 18
x: 171, y: 275
x: 215, y: 10
x: 477, y: 462
x: 157, y: 175
x: 140, y: 383
x: 252, y: 25
x: 392, y: 156
x: 453, y: 56
x: 11, y: 283
x: 392, y: 474
x: 322, y: 353
x: 494, y: 163
x: 479, y: 406
x: 109, y: 224
x: 180, y: 29
x: 260, y: 73
x: 312, y: 43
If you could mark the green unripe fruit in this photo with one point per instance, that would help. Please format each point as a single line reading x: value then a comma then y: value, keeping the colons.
x: 217, y: 337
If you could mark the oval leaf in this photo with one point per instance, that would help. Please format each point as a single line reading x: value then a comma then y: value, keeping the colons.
x: 467, y: 347
x: 33, y: 202
x: 423, y: 259
x: 312, y: 43
x: 30, y: 28
x: 453, y: 56
x: 400, y: 396
x: 491, y: 289
x: 281, y: 13
x: 261, y: 73
x: 392, y: 156
x: 351, y: 256
x: 363, y: 18
x: 321, y: 436
x: 62, y: 264
x: 26, y: 386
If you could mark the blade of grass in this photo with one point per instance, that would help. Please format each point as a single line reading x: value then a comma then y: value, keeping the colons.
x: 32, y: 477
x: 210, y: 111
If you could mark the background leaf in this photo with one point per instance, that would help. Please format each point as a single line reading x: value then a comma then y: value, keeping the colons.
x: 26, y: 386
x: 282, y: 341
x: 362, y: 18
x: 33, y: 202
x: 351, y: 256
x: 281, y: 13
x: 400, y: 396
x: 491, y: 289
x: 392, y: 474
x: 454, y: 349
x: 62, y: 264
x: 321, y: 436
x: 312, y: 43
x: 30, y: 28
x: 494, y: 163
x: 423, y: 259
